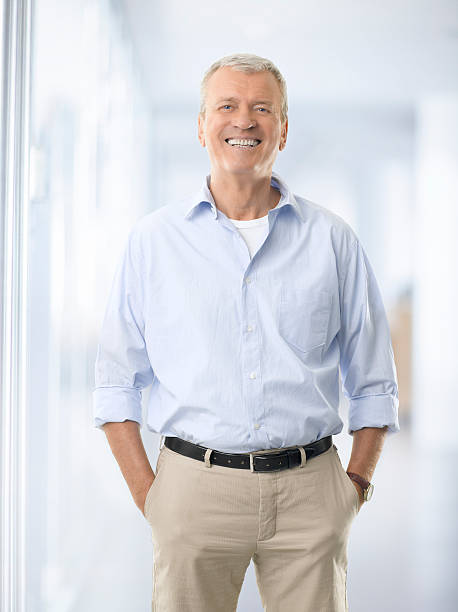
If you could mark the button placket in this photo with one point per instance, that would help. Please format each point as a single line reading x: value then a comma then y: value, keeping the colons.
x: 251, y: 361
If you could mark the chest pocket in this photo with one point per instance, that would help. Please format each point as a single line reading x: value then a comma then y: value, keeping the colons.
x: 304, y: 317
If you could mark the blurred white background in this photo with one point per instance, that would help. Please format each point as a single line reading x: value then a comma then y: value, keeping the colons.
x: 373, y: 133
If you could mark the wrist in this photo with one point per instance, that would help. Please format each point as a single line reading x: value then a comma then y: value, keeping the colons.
x: 366, y: 487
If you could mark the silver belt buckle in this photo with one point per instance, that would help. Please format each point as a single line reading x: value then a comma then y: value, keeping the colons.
x: 263, y: 452
x: 277, y: 450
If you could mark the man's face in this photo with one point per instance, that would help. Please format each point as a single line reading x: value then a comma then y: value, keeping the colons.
x: 235, y: 101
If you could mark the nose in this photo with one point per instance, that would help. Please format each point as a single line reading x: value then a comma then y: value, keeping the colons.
x: 244, y: 125
x: 243, y: 120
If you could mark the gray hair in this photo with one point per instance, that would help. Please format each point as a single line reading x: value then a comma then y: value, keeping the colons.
x: 246, y: 62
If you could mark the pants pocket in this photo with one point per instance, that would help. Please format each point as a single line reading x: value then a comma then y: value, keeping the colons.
x: 154, y: 485
x: 347, y: 480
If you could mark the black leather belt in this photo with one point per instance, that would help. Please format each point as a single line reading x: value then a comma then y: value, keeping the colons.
x: 257, y: 461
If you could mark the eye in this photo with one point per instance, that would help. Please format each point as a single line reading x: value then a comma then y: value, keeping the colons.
x: 226, y: 105
x: 262, y: 108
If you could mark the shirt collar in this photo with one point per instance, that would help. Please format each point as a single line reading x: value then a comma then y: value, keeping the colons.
x: 204, y: 196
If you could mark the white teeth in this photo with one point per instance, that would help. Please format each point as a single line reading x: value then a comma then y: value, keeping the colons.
x: 243, y: 143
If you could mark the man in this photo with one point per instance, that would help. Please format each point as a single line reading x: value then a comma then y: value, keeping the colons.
x: 238, y: 305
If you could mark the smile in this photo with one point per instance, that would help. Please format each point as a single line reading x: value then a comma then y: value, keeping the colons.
x: 243, y: 143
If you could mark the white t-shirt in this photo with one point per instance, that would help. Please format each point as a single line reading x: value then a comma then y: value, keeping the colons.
x: 253, y: 231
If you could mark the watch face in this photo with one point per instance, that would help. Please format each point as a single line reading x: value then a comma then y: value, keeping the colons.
x: 368, y: 492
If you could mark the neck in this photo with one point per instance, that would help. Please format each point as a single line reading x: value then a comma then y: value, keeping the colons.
x: 243, y: 197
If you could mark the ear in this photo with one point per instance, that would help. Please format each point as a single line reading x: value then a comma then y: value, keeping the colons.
x: 200, y: 130
x: 284, y: 134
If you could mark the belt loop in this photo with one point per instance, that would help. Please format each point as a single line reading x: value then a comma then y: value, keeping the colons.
x: 303, y: 456
x: 161, y: 442
x: 208, y: 452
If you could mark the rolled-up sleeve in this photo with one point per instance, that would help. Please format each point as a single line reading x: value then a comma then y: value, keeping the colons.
x: 122, y: 366
x: 367, y: 364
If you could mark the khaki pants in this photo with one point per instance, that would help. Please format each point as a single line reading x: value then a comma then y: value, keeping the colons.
x: 207, y: 524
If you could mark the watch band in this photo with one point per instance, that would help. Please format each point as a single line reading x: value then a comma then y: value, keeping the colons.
x: 367, y: 487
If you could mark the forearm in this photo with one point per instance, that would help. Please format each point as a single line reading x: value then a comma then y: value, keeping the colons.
x: 127, y: 446
x: 367, y: 446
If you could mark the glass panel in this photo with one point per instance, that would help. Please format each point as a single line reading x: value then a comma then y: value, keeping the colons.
x: 90, y: 171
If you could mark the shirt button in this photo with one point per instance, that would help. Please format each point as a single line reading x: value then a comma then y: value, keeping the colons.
x: 257, y: 425
x: 249, y: 328
x: 248, y: 280
x: 253, y: 375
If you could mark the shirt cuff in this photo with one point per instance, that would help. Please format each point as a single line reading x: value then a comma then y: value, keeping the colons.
x: 373, y: 411
x: 116, y: 404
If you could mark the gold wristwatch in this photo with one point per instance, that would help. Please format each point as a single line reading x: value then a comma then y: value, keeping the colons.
x: 367, y: 487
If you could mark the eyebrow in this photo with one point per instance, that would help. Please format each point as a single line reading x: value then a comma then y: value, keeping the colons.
x: 267, y: 102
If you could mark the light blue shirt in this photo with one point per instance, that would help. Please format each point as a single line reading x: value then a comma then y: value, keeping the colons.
x: 243, y: 352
